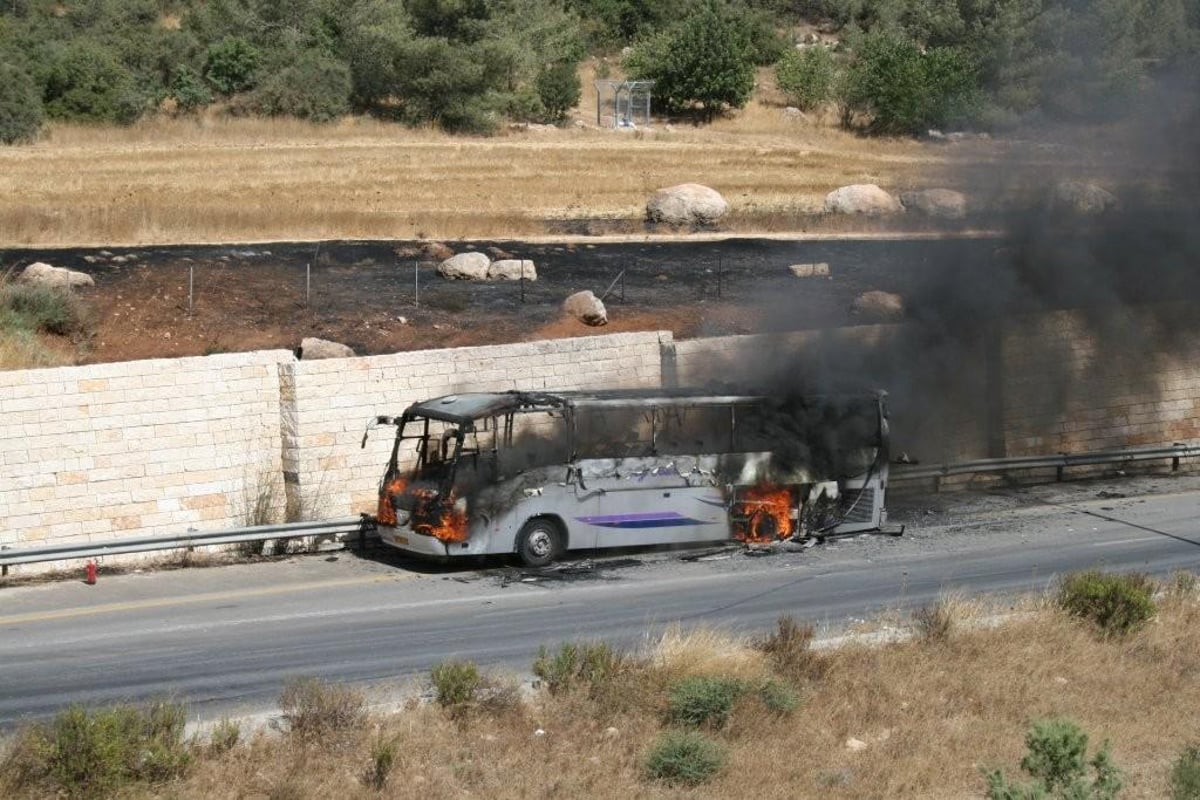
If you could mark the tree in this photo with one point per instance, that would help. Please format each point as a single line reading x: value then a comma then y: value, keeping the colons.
x: 188, y: 89
x: 902, y: 90
x: 314, y: 87
x: 20, y: 106
x: 806, y: 77
x: 704, y: 62
x: 559, y: 89
x: 87, y: 82
x: 230, y: 65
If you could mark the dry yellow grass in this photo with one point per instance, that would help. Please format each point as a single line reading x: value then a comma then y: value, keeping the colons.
x: 219, y: 179
x: 932, y: 715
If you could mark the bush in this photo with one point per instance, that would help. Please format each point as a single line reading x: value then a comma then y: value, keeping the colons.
x: 225, y: 736
x: 316, y: 708
x: 96, y: 752
x: 456, y: 683
x: 1056, y: 759
x: 87, y: 83
x: 188, y: 90
x: 383, y: 758
x: 315, y: 87
x: 778, y: 698
x: 20, y: 106
x: 559, y: 89
x: 904, y: 90
x: 589, y: 663
x: 1185, y: 776
x: 703, y: 701
x: 43, y: 309
x: 934, y: 623
x: 685, y: 758
x: 1116, y: 604
x: 789, y: 648
x: 806, y: 77
x: 231, y: 65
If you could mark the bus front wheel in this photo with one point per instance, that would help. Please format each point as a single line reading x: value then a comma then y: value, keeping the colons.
x: 538, y: 543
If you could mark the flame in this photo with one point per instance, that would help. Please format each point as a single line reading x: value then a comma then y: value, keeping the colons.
x: 763, y: 514
x: 437, y: 517
x: 431, y: 515
x: 385, y: 512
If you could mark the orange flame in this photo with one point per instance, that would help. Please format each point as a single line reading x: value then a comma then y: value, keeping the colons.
x: 763, y: 514
x: 431, y: 516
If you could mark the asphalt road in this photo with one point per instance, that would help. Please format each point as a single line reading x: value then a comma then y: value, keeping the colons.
x: 225, y: 639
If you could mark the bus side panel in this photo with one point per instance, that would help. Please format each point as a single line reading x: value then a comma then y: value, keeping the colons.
x: 564, y: 502
x: 648, y: 514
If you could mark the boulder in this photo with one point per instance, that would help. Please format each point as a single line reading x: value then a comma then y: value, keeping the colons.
x: 862, y: 198
x: 819, y: 269
x: 883, y: 305
x: 1081, y: 198
x: 512, y: 269
x: 465, y: 266
x: 686, y: 204
x: 587, y: 308
x: 940, y: 203
x: 57, y: 277
x: 312, y: 347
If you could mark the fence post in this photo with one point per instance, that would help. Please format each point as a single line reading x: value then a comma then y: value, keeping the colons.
x: 191, y: 285
x: 416, y: 284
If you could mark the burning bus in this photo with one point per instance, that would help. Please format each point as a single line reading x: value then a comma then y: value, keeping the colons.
x: 538, y: 473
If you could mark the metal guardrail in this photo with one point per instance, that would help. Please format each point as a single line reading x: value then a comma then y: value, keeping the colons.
x: 1059, y: 462
x: 259, y: 533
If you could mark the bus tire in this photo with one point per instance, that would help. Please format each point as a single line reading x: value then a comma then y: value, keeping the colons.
x: 539, y: 542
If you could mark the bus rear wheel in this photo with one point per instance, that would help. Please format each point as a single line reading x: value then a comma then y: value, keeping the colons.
x: 538, y: 543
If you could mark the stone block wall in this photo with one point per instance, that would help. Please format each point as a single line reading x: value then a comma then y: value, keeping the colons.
x: 328, y: 403
x: 136, y: 448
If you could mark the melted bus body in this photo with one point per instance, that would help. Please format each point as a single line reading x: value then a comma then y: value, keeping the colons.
x: 538, y: 473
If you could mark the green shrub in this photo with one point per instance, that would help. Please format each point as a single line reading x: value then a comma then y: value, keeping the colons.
x: 96, y: 752
x: 224, y: 736
x: 685, y: 758
x: 41, y: 309
x: 87, y: 82
x: 316, y: 708
x: 1116, y: 604
x: 383, y: 758
x: 902, y: 89
x: 779, y: 698
x: 807, y: 77
x: 559, y: 89
x: 703, y: 700
x: 589, y: 663
x: 1185, y: 776
x: 456, y: 683
x: 231, y: 65
x: 1057, y: 761
x: 189, y: 90
x: 314, y: 87
x: 20, y: 106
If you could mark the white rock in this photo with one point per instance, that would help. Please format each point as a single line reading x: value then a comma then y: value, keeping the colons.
x: 587, y: 308
x: 941, y: 203
x: 512, y: 269
x: 855, y: 745
x: 884, y: 305
x: 465, y: 266
x: 611, y: 732
x: 862, y: 198
x: 312, y: 347
x: 1082, y: 198
x: 59, y: 277
x: 686, y: 204
x: 819, y: 269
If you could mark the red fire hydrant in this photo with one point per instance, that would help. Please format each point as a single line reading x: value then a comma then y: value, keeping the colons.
x: 91, y: 573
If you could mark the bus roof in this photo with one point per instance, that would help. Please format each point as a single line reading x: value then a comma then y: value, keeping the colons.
x: 469, y: 406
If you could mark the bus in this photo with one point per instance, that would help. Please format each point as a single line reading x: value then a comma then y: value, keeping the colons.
x: 537, y: 474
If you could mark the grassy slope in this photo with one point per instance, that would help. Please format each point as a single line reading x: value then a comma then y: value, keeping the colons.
x: 932, y: 713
